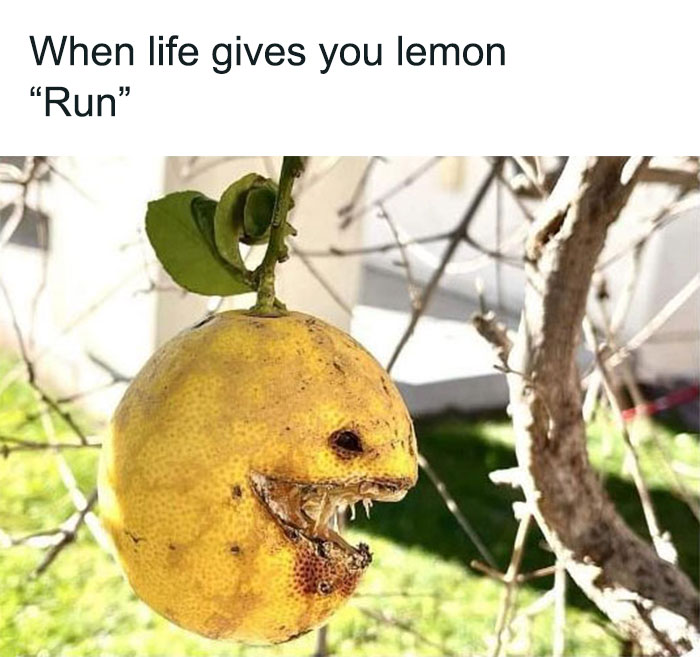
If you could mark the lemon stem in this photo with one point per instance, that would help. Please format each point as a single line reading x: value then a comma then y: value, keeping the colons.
x: 267, y: 304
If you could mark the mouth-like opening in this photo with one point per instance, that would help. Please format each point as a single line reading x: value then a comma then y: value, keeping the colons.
x: 312, y: 511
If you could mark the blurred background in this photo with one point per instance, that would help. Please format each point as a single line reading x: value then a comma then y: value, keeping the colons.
x: 84, y: 304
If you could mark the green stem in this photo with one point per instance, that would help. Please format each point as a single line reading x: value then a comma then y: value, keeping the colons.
x: 276, y: 248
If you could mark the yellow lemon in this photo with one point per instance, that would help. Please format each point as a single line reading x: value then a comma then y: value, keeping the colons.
x: 228, y: 459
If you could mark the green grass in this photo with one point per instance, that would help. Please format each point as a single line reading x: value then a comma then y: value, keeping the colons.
x: 420, y: 576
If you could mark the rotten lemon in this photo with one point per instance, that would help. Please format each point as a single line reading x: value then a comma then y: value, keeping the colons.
x: 228, y: 461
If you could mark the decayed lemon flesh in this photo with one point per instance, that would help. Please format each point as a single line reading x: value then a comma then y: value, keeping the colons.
x: 226, y: 461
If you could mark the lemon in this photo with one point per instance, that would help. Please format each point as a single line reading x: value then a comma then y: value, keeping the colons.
x: 227, y: 461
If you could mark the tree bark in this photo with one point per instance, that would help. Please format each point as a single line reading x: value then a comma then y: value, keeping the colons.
x: 648, y: 599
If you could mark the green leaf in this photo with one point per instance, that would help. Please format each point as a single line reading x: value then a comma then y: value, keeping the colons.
x: 203, y: 209
x: 228, y: 219
x: 180, y: 227
x: 257, y: 213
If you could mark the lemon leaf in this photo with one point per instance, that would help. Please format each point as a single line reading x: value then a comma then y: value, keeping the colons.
x: 228, y: 219
x: 257, y: 213
x: 244, y: 214
x: 180, y: 227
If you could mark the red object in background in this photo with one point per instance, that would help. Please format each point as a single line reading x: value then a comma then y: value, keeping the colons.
x: 675, y: 398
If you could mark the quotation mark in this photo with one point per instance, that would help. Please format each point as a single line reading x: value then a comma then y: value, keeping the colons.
x: 62, y: 100
x: 123, y: 91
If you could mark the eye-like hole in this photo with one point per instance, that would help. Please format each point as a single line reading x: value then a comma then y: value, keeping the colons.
x: 346, y: 442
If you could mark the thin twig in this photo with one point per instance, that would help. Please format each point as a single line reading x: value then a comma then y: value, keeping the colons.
x: 686, y: 175
x: 662, y: 540
x: 559, y: 623
x: 82, y: 504
x: 321, y: 649
x: 530, y: 218
x: 31, y: 373
x: 322, y: 280
x: 14, y: 373
x: 80, y: 501
x: 454, y: 509
x: 664, y: 216
x: 69, y: 535
x: 431, y: 286
x: 334, y: 251
x: 382, y: 617
x: 308, y: 180
x: 117, y: 376
x: 611, y: 327
x: 43, y: 243
x: 360, y: 187
x: 69, y: 181
x: 532, y: 171
x: 510, y: 580
x: 10, y: 444
x: 546, y: 571
x: 189, y: 171
x: 28, y: 175
x: 493, y: 332
x: 656, y: 322
x: 413, y: 291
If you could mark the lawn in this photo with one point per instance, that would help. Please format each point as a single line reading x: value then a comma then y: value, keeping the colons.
x: 420, y: 596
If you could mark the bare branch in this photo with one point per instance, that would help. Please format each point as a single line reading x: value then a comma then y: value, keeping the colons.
x: 10, y: 444
x: 454, y: 509
x: 533, y: 174
x: 117, y: 376
x: 685, y: 175
x: 546, y: 571
x: 383, y: 617
x: 510, y: 579
x: 31, y: 375
x: 663, y: 217
x: 508, y: 184
x: 611, y: 326
x: 191, y: 169
x: 332, y: 292
x: 360, y: 187
x: 69, y: 535
x: 431, y: 286
x: 413, y: 291
x: 16, y: 372
x: 51, y: 164
x: 495, y: 333
x: 321, y: 642
x: 334, y: 251
x: 607, y: 560
x: 309, y: 179
x: 662, y: 540
x: 559, y: 624
x: 656, y: 322
x: 31, y: 171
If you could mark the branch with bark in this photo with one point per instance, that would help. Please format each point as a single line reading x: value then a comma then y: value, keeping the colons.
x: 648, y: 599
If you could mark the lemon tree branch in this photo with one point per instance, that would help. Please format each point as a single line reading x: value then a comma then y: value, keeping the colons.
x: 292, y: 167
